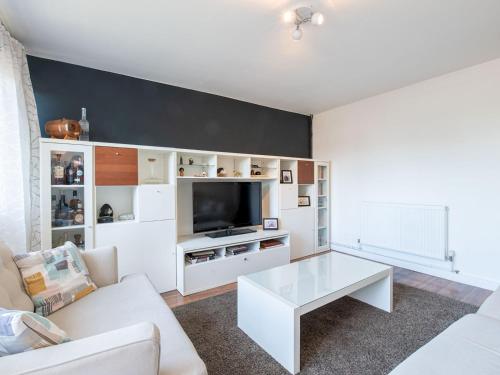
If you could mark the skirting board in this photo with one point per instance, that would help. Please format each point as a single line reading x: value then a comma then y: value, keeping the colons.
x: 460, y: 277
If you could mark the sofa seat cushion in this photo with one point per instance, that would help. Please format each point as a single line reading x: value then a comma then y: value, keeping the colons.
x: 469, y: 346
x: 491, y: 307
x: 132, y: 301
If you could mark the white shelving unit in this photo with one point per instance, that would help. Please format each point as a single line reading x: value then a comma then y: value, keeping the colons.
x: 161, y: 202
x: 322, y: 206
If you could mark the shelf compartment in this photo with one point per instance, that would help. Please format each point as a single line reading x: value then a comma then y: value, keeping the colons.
x: 154, y: 166
x: 286, y: 164
x: 267, y: 167
x: 234, y: 166
x: 200, y: 163
x: 120, y: 198
x: 219, y: 255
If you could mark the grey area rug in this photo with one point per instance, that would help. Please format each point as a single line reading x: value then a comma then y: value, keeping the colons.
x: 343, y: 337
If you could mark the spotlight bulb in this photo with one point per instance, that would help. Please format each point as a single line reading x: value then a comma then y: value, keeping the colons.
x: 297, y: 34
x: 317, y: 19
x: 289, y: 16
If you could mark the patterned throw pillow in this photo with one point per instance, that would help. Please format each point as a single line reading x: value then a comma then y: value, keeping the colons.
x: 54, y: 278
x: 21, y: 331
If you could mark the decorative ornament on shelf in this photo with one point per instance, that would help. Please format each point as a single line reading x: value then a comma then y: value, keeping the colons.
x: 237, y: 173
x: 190, y: 161
x: 221, y: 172
x: 181, y: 171
x: 152, y: 179
x: 63, y: 129
x: 300, y: 17
x: 105, y: 214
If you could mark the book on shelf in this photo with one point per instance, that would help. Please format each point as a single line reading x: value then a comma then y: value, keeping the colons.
x: 194, y: 260
x: 266, y: 244
x: 200, y: 256
x: 237, y: 249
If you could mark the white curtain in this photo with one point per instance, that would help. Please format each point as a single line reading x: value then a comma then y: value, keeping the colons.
x: 19, y: 149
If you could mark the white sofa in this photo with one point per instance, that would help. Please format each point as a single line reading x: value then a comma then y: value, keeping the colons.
x: 471, y: 345
x: 122, y: 328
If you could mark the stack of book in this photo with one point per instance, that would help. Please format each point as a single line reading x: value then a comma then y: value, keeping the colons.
x: 200, y: 256
x: 235, y: 250
x: 266, y: 244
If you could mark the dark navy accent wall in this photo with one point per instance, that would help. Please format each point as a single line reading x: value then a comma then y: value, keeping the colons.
x: 123, y: 109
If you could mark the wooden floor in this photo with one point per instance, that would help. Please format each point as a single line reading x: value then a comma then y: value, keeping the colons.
x: 461, y: 292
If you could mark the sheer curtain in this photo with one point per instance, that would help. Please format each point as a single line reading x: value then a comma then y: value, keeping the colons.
x: 19, y: 149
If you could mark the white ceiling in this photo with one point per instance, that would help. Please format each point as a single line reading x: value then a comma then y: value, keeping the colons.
x: 241, y: 49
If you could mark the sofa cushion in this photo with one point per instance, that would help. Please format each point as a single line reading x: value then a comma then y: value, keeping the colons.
x: 12, y: 293
x: 132, y: 301
x: 54, y: 278
x: 469, y: 346
x: 491, y: 307
x: 21, y: 331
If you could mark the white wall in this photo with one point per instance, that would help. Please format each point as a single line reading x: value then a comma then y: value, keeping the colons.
x: 435, y: 142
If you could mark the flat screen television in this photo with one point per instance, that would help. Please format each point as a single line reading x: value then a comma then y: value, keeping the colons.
x: 224, y: 205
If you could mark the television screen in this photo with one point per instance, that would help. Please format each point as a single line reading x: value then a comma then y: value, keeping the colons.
x: 222, y: 205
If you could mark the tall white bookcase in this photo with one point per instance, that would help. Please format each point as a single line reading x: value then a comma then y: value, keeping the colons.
x: 322, y: 179
x: 162, y: 223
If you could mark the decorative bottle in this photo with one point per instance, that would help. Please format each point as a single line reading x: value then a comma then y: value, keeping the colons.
x: 78, y: 168
x: 58, y: 171
x: 53, y: 208
x: 70, y: 174
x: 63, y: 211
x: 76, y: 206
x: 84, y: 125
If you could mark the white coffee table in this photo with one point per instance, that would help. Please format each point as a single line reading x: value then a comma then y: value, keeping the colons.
x: 271, y: 302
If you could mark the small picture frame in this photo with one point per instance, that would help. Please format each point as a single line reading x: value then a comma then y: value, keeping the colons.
x: 286, y: 176
x: 304, y: 200
x: 270, y: 223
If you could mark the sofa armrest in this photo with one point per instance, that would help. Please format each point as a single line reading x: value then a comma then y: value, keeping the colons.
x: 102, y: 264
x: 127, y: 351
x: 491, y: 306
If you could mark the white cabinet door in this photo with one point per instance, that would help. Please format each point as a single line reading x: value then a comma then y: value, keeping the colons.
x: 266, y: 259
x: 52, y: 233
x: 203, y: 276
x: 155, y: 202
x: 143, y: 248
x: 289, y: 194
x: 300, y: 223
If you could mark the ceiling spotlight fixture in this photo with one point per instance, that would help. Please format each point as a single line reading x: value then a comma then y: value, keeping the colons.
x: 289, y: 17
x: 297, y: 33
x: 301, y: 16
x: 317, y: 19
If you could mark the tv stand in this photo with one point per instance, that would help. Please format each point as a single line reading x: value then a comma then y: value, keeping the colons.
x: 229, y: 232
x: 225, y: 267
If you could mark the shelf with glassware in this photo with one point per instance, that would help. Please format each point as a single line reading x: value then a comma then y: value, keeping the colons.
x: 322, y: 206
x: 66, y: 172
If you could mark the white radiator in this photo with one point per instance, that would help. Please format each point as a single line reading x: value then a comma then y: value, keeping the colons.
x: 418, y: 230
